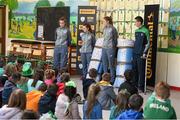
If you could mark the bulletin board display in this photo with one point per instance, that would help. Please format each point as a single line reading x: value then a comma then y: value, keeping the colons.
x: 124, y: 12
x: 86, y: 14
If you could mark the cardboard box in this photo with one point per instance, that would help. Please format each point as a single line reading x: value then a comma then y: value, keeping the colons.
x: 118, y: 81
x: 99, y: 42
x: 121, y: 68
x: 125, y: 43
x: 94, y: 64
x: 97, y: 54
x: 125, y: 55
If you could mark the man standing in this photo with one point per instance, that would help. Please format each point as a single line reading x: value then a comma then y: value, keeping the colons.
x: 63, y: 40
x: 141, y: 46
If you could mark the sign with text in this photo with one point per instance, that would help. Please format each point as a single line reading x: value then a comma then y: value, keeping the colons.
x: 151, y: 17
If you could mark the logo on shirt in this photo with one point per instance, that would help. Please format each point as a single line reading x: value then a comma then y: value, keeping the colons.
x: 161, y: 107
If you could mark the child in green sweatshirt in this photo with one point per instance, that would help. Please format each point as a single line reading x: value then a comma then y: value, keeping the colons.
x: 158, y: 105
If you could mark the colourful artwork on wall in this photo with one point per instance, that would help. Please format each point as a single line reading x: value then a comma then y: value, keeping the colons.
x: 174, y: 27
x: 22, y: 19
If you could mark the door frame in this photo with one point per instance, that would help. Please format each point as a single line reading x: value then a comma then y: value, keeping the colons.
x: 4, y: 29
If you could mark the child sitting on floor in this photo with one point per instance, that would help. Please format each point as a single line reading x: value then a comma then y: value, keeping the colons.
x: 27, y: 74
x: 158, y: 105
x: 61, y: 71
x: 107, y: 95
x: 10, y: 86
x: 127, y: 84
x: 34, y: 96
x: 88, y: 82
x: 135, y: 107
x: 92, y: 108
x: 47, y: 102
x: 65, y: 77
x: 49, y: 77
x: 121, y: 104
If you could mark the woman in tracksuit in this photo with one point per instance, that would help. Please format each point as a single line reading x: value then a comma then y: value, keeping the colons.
x: 110, y: 35
x: 88, y: 42
x: 63, y: 40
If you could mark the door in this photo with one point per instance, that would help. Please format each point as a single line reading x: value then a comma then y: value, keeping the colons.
x: 2, y: 29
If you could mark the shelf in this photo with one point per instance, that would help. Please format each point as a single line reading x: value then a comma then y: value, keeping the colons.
x: 123, y: 19
x: 162, y: 35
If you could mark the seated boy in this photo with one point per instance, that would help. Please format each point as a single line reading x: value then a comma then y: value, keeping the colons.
x: 134, y: 112
x: 158, y: 105
x: 34, y: 96
x: 127, y: 84
x: 10, y: 86
x: 19, y: 64
x: 2, y: 65
x: 47, y: 102
x: 107, y: 95
x: 87, y: 82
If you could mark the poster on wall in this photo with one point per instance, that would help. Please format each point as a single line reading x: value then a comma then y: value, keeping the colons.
x: 22, y: 21
x: 174, y: 27
x: 40, y: 32
x: 86, y: 14
x: 151, y: 17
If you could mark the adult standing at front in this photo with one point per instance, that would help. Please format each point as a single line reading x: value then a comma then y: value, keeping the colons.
x: 141, y: 47
x: 63, y: 40
x: 110, y: 35
x: 88, y: 43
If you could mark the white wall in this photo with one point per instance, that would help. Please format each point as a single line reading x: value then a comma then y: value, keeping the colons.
x: 168, y: 68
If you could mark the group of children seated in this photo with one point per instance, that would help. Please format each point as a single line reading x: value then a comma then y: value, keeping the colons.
x: 40, y: 93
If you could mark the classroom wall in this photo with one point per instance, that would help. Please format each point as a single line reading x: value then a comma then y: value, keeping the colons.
x: 168, y: 68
